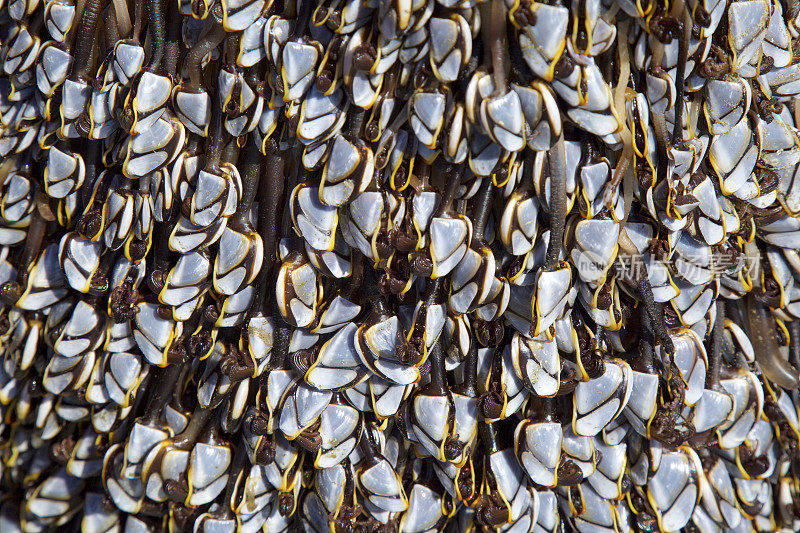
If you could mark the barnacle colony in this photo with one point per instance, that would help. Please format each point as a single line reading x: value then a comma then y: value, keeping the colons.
x: 411, y: 265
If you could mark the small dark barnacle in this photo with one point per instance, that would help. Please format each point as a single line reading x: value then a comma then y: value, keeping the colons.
x: 83, y: 124
x: 285, y: 503
x: 210, y: 313
x: 237, y: 365
x: 755, y: 466
x: 200, y: 343
x: 490, y: 510
x: 488, y: 333
x: 452, y: 448
x: 10, y: 292
x: 647, y: 523
x: 334, y: 19
x: 421, y: 264
x: 164, y: 312
x: 569, y: 473
x: 265, y: 453
x: 491, y: 404
x: 177, y: 490
x: 257, y: 423
x: 365, y: 56
x: 62, y: 450
x: 302, y: 360
x: 310, y: 440
x: 122, y: 303
x: 5, y: 324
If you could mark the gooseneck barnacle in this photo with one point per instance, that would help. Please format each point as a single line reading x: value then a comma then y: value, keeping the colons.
x: 399, y: 265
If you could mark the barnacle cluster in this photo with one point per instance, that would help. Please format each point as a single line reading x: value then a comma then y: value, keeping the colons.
x: 399, y: 265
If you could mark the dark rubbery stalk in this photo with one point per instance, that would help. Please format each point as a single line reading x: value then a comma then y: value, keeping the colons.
x: 558, y: 202
x: 215, y: 142
x: 717, y: 345
x: 482, y: 209
x: 646, y: 341
x: 250, y: 169
x: 172, y: 46
x: 794, y: 342
x: 155, y: 20
x: 271, y: 191
x: 84, y: 39
x: 469, y: 387
x: 194, y: 58
x: 768, y: 354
